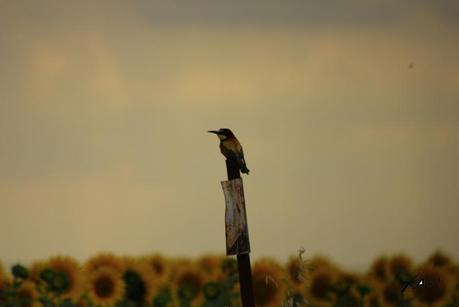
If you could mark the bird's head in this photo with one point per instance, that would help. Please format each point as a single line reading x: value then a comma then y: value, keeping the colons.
x: 223, y: 133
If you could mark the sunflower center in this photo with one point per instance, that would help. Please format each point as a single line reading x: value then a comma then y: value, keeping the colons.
x: 439, y: 260
x: 61, y: 282
x: 379, y: 271
x: 158, y: 268
x: 189, y: 285
x: 211, y: 290
x: 430, y: 288
x: 104, y: 287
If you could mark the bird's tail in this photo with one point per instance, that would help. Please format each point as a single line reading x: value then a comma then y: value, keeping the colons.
x: 244, y: 169
x: 242, y: 166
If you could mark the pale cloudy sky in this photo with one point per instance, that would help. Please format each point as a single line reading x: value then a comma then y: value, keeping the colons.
x: 104, y: 109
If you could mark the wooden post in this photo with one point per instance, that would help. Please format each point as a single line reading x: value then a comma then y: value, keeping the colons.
x: 243, y: 260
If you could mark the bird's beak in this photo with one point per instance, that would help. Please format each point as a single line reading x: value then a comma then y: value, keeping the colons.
x: 213, y: 131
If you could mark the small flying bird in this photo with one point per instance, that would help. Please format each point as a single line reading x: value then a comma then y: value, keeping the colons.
x: 231, y: 148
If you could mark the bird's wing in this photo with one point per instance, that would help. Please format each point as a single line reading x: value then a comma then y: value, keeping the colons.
x: 241, y: 156
x: 241, y: 161
x: 232, y: 150
x: 228, y: 153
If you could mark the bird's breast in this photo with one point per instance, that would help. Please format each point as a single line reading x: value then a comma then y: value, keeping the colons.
x: 232, y: 145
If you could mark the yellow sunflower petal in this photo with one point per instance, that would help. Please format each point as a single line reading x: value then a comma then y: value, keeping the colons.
x: 188, y: 283
x: 268, y: 286
x: 104, y: 259
x: 160, y: 266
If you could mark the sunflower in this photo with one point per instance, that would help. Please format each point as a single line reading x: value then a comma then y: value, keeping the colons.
x: 105, y: 286
x: 441, y: 261
x: 177, y: 264
x: 320, y: 288
x: 28, y: 292
x: 210, y: 264
x: 104, y: 259
x: 139, y: 280
x: 268, y: 287
x: 159, y: 265
x: 318, y: 262
x: 188, y: 284
x: 70, y: 269
x: 432, y: 286
x: 35, y: 269
x: 400, y: 267
x: 379, y: 270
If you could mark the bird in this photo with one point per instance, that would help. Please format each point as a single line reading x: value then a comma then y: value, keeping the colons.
x: 231, y: 148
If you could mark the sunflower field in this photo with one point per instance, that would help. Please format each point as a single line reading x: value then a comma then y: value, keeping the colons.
x: 212, y: 281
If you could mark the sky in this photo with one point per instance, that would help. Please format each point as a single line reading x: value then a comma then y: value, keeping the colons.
x: 348, y: 113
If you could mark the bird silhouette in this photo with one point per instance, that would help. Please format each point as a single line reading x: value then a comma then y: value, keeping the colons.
x: 231, y: 148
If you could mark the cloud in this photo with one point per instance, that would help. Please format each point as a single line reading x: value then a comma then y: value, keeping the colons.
x: 112, y: 210
x: 104, y: 110
x: 354, y: 13
x: 90, y: 102
x: 209, y: 66
x: 82, y: 64
x: 206, y: 13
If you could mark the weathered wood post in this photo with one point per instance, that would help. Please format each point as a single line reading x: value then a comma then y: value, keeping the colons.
x: 236, y: 230
x: 237, y: 236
